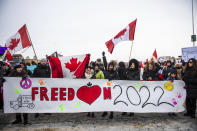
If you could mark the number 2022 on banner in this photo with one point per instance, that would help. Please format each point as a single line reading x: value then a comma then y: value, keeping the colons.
x: 139, y: 102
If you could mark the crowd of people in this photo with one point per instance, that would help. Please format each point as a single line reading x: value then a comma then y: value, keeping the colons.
x: 101, y: 69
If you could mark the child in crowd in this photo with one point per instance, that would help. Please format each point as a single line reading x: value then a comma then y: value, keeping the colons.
x: 172, y: 77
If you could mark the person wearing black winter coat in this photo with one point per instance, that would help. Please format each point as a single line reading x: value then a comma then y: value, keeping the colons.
x: 150, y: 72
x: 167, y: 69
x: 43, y: 70
x: 19, y: 72
x: 133, y: 72
x: 110, y: 74
x: 190, y: 79
x: 121, y: 71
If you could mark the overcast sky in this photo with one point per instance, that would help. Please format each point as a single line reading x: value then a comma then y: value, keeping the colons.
x: 74, y: 27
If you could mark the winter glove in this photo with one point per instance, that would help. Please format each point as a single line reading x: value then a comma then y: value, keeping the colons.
x: 24, y: 77
x: 103, y: 53
x: 109, y: 79
x: 48, y: 57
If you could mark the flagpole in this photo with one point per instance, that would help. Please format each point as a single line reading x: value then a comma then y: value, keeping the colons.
x: 32, y: 45
x: 131, y: 50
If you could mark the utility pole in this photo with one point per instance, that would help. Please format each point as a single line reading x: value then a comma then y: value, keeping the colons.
x: 193, y: 37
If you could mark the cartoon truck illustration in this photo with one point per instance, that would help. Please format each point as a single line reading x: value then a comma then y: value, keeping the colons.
x: 22, y: 101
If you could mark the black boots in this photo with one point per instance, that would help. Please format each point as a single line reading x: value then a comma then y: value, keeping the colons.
x: 19, y: 120
x: 187, y: 114
x: 131, y: 114
x: 36, y: 115
x: 25, y: 118
x: 111, y: 116
x: 104, y: 114
x: 172, y: 114
x: 191, y: 115
x: 91, y: 114
x: 124, y: 114
x: 88, y: 115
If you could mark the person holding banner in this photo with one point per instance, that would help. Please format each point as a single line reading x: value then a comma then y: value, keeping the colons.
x: 23, y: 65
x: 42, y: 71
x: 88, y: 75
x: 2, y: 80
x: 172, y: 77
x: 98, y: 74
x: 150, y: 72
x: 167, y: 69
x: 121, y: 71
x: 190, y: 79
x: 132, y: 73
x: 110, y: 74
x: 179, y: 71
x: 19, y: 72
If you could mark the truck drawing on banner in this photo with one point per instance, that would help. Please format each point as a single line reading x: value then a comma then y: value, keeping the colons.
x: 22, y: 101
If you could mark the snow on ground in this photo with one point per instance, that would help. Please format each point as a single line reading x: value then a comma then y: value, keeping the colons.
x: 79, y: 121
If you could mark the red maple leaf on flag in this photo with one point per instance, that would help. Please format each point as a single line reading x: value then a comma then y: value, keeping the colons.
x: 73, y: 65
x: 13, y: 43
x: 121, y: 33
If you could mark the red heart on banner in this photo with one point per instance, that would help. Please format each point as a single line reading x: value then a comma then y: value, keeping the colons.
x: 89, y: 94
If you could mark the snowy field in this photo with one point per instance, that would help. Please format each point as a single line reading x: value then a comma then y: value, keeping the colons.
x: 80, y: 122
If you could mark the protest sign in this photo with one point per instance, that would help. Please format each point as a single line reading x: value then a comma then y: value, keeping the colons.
x: 189, y: 52
x: 47, y: 95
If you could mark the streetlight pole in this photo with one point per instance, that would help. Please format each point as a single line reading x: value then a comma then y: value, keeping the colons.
x: 193, y: 36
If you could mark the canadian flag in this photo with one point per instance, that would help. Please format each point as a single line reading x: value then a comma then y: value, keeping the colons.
x: 124, y: 35
x: 69, y: 67
x: 141, y: 64
x: 18, y: 41
x: 154, y: 57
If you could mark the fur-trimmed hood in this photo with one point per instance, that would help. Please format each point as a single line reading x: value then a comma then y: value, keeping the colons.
x: 136, y: 62
x: 114, y: 63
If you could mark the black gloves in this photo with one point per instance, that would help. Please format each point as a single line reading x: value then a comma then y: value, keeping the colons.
x: 24, y: 77
x: 103, y: 53
x: 48, y: 57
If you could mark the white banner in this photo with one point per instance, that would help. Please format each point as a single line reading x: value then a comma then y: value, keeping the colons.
x: 47, y: 95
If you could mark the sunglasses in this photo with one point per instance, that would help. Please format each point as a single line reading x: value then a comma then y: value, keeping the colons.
x: 190, y: 62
